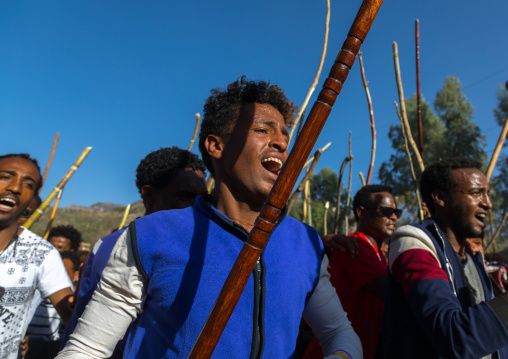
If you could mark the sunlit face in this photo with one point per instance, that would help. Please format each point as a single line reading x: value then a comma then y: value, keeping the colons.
x: 372, y: 219
x: 181, y: 192
x: 18, y: 180
x: 69, y: 268
x: 468, y: 203
x: 61, y: 243
x: 255, y: 152
x: 476, y: 245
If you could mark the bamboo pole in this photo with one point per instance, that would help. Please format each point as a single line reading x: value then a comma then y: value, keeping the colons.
x: 362, y: 179
x: 316, y: 78
x: 58, y: 188
x: 411, y: 166
x: 372, y: 122
x: 50, y: 160
x: 210, y: 181
x: 405, y: 122
x: 418, y: 87
x: 305, y: 179
x: 497, y: 150
x: 348, y: 199
x: 125, y: 214
x: 305, y: 203
x: 53, y: 213
x: 325, y: 224
x: 339, y: 188
x: 497, y: 231
x: 322, y: 150
x: 196, y: 130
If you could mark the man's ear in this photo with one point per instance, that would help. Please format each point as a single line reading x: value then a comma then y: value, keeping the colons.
x: 360, y: 211
x: 214, y: 146
x: 439, y: 198
x: 147, y: 195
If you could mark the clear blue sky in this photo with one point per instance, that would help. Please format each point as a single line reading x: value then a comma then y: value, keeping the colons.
x: 127, y: 77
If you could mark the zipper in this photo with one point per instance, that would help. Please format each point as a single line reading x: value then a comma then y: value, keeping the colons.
x: 449, y: 268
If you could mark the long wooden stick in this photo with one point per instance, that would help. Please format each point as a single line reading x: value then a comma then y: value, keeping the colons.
x: 418, y: 87
x: 497, y: 150
x: 53, y: 214
x: 125, y: 214
x: 325, y: 224
x: 372, y: 122
x: 318, y: 73
x: 494, y: 237
x: 58, y: 188
x: 410, y: 160
x: 276, y: 201
x: 196, y: 130
x: 403, y: 107
x: 348, y: 199
x: 362, y: 179
x: 339, y: 194
x: 50, y: 160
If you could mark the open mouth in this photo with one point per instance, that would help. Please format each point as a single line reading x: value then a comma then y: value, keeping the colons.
x: 7, y: 204
x: 481, y: 217
x: 272, y: 164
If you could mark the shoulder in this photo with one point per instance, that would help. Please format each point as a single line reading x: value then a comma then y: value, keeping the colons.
x: 410, y: 238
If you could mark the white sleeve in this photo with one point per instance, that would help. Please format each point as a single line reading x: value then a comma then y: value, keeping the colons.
x: 328, y: 320
x: 52, y: 275
x: 115, y: 304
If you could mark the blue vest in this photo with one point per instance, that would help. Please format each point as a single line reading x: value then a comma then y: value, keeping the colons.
x: 186, y: 255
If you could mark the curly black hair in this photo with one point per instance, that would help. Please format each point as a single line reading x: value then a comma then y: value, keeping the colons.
x: 160, y: 167
x: 69, y: 232
x: 438, y: 176
x: 362, y: 197
x: 223, y: 107
x: 26, y: 156
x: 74, y: 257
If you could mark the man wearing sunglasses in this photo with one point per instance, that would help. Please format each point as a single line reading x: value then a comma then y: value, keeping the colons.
x: 439, y: 301
x: 360, y: 280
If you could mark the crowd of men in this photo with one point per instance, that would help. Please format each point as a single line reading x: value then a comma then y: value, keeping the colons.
x: 146, y: 290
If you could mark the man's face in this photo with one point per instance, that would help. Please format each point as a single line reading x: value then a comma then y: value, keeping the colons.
x: 69, y: 268
x: 375, y: 220
x: 18, y: 179
x: 61, y: 243
x: 468, y: 203
x: 476, y: 245
x: 255, y: 153
x: 181, y: 192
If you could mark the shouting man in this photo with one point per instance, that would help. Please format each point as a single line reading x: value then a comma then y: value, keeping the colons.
x: 169, y: 267
x: 439, y: 301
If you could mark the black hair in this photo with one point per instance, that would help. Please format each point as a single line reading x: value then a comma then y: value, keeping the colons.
x: 26, y: 156
x: 74, y: 257
x: 160, y: 167
x: 438, y: 176
x: 362, y: 197
x: 69, y: 232
x: 224, y: 106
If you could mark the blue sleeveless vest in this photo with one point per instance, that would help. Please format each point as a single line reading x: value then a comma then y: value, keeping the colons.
x: 186, y: 255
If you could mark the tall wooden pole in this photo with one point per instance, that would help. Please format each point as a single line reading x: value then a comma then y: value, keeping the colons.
x: 418, y: 88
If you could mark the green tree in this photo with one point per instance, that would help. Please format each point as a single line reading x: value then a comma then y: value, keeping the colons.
x: 449, y: 134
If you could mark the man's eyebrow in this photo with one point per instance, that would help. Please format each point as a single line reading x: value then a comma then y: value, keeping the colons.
x: 14, y: 173
x: 274, y: 125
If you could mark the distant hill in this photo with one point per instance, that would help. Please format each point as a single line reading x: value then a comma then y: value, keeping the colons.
x: 93, y: 222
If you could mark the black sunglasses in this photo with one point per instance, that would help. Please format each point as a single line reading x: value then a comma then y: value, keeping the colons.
x: 386, y: 211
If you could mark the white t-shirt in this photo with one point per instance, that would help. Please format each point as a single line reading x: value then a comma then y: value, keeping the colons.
x: 27, y: 264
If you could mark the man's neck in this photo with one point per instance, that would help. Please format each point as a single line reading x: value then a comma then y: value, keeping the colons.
x: 235, y: 207
x: 7, y: 233
x: 370, y: 238
x: 458, y: 244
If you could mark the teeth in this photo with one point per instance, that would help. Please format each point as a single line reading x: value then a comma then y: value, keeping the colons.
x: 8, y: 200
x: 481, y: 215
x: 272, y: 159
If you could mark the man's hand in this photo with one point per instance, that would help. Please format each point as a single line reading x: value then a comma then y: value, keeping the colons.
x: 341, y: 243
x: 25, y: 345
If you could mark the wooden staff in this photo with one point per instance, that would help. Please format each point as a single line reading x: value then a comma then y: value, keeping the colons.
x: 58, y: 188
x: 362, y: 179
x: 497, y: 150
x: 325, y: 225
x: 403, y: 107
x: 497, y: 231
x: 53, y: 214
x: 339, y: 193
x: 418, y: 88
x: 372, y: 122
x: 318, y: 73
x: 348, y: 199
x: 305, y: 179
x: 276, y: 201
x: 125, y: 214
x: 50, y: 160
x: 196, y: 130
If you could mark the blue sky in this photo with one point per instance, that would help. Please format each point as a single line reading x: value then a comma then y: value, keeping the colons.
x: 127, y: 77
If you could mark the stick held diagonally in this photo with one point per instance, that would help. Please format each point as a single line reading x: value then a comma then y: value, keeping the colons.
x: 272, y: 209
